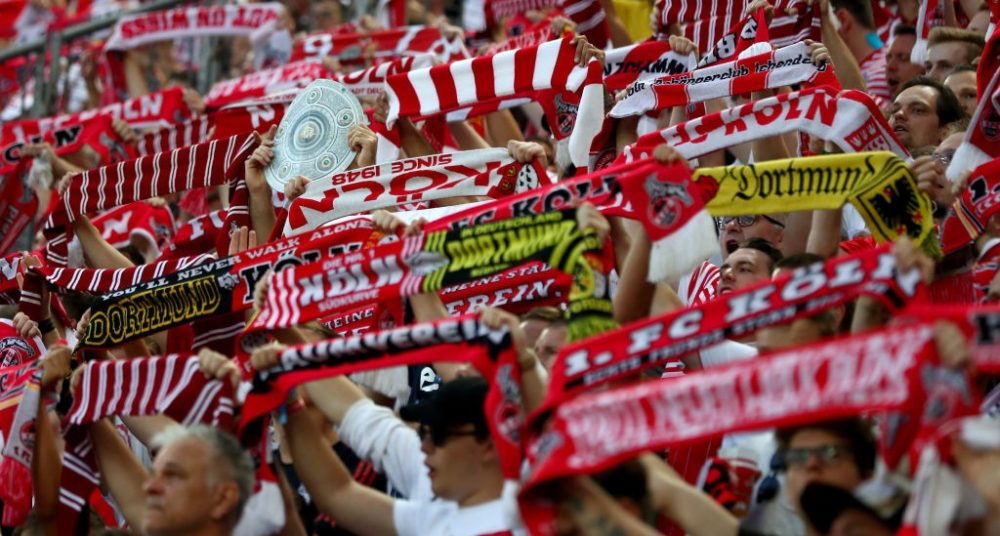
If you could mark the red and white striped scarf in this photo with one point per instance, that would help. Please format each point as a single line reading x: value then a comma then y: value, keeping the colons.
x: 9, y: 267
x: 104, y: 280
x: 229, y: 120
x: 849, y: 119
x: 649, y: 59
x: 370, y: 82
x: 204, y: 164
x: 925, y: 22
x: 773, y: 69
x: 720, y: 44
x: 526, y: 72
x: 982, y: 139
x: 171, y: 384
x: 482, y: 172
x: 388, y: 44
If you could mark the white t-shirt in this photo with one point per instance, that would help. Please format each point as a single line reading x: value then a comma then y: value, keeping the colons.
x: 445, y: 518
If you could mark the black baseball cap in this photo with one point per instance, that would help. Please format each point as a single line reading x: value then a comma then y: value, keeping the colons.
x: 823, y: 504
x: 455, y: 403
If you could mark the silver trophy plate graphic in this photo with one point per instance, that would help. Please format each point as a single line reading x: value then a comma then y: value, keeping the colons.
x: 312, y: 138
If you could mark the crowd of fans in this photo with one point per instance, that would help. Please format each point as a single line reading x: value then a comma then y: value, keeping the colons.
x: 413, y: 448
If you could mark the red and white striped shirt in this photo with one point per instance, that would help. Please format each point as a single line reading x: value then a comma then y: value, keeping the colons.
x: 873, y: 70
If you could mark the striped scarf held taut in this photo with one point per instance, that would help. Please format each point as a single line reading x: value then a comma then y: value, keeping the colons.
x: 548, y: 70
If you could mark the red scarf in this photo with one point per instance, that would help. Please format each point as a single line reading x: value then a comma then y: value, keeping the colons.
x: 18, y: 206
x: 296, y: 75
x: 625, y: 65
x: 849, y: 119
x: 95, y: 133
x: 149, y: 386
x: 19, y: 398
x: 655, y: 341
x: 255, y: 21
x: 463, y: 339
x: 782, y: 67
x: 387, y: 45
x: 876, y: 371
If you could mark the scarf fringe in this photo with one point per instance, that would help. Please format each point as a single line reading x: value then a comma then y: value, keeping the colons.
x: 684, y: 249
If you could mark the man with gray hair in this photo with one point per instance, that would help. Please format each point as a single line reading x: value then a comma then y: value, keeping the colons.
x: 200, y: 480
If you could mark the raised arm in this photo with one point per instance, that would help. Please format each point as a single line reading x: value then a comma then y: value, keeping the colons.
x: 121, y: 472
x: 355, y: 507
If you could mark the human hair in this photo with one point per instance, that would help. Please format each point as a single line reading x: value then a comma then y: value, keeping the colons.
x: 963, y: 68
x: 957, y: 127
x: 766, y: 247
x: 948, y: 108
x: 229, y: 457
x: 973, y: 42
x: 904, y: 29
x: 855, y: 431
x: 545, y: 313
x: 861, y: 10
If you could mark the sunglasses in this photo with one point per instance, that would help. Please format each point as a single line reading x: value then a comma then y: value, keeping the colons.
x: 825, y: 454
x: 747, y: 221
x: 439, y: 436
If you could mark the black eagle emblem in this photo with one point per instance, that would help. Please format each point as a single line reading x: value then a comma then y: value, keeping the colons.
x: 898, y: 207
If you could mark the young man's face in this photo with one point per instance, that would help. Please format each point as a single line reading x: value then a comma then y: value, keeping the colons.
x: 836, y: 467
x: 898, y: 68
x: 743, y: 268
x: 943, y: 57
x: 963, y: 85
x: 914, y: 117
x: 456, y: 466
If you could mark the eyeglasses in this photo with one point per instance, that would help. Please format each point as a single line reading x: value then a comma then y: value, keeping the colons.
x: 440, y: 436
x: 825, y: 454
x: 747, y: 221
x: 944, y: 156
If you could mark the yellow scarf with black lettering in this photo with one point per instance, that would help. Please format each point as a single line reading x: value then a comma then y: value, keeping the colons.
x: 878, y: 184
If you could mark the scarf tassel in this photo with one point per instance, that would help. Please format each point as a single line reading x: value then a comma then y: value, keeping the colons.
x: 684, y: 249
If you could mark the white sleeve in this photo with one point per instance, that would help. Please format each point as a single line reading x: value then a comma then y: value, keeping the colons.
x: 376, y: 434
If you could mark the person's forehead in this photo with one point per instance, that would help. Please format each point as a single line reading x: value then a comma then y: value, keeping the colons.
x: 961, y: 78
x: 917, y: 95
x: 904, y: 41
x: 808, y: 437
x: 746, y: 255
x: 945, y: 50
x: 187, y: 452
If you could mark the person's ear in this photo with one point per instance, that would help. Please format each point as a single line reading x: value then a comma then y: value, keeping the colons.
x: 844, y: 18
x: 487, y: 450
x: 224, y: 500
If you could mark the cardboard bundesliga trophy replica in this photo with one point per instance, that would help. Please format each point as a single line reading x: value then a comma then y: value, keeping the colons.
x: 312, y: 137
